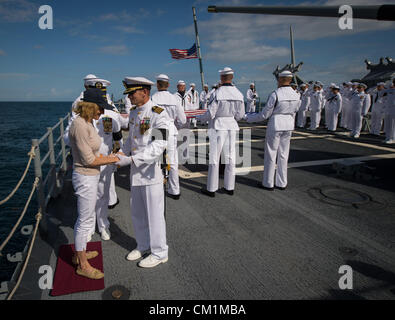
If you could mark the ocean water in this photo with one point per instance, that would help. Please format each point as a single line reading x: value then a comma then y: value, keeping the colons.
x: 20, y: 122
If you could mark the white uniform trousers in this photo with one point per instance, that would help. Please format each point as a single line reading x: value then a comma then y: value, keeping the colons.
x: 113, y: 194
x: 222, y: 141
x: 356, y: 123
x: 377, y: 120
x: 277, y: 145
x: 315, y: 117
x: 301, y: 119
x: 332, y: 120
x: 86, y: 191
x: 103, y: 192
x: 251, y: 106
x: 350, y: 117
x: 174, y: 181
x: 345, y: 113
x: 327, y: 111
x: 147, y: 208
x: 389, y: 127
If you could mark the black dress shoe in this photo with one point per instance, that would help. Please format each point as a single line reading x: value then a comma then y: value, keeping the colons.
x: 114, y: 205
x: 264, y: 188
x: 281, y: 188
x: 208, y: 193
x: 229, y: 192
x: 174, y: 196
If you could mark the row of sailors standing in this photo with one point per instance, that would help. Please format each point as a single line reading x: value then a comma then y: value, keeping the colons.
x: 352, y: 103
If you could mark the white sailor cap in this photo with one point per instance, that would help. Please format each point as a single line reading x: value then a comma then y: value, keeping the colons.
x: 381, y: 84
x: 303, y: 85
x: 335, y: 87
x: 192, y: 85
x: 349, y: 83
x: 317, y: 85
x: 135, y: 83
x: 362, y: 85
x: 332, y: 85
x: 285, y: 74
x: 252, y: 84
x: 226, y: 71
x: 355, y: 83
x: 181, y: 82
x: 205, y: 85
x: 97, y: 83
x: 90, y: 76
x: 162, y: 77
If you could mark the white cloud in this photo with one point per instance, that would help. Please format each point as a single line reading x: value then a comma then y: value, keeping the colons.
x: 120, y: 50
x: 17, y: 10
x: 128, y: 29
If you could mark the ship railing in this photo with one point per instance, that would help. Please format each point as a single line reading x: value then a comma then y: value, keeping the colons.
x: 50, y: 186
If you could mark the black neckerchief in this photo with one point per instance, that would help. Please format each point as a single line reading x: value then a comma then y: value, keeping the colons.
x: 227, y: 85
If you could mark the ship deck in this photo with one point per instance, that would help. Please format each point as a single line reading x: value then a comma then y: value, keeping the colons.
x: 256, y: 244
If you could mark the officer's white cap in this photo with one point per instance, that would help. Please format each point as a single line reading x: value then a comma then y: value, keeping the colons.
x: 90, y: 76
x: 135, y: 83
x: 349, y: 83
x: 381, y: 84
x: 162, y: 77
x: 181, y: 82
x: 96, y: 83
x: 226, y: 71
x: 285, y: 74
x: 193, y: 85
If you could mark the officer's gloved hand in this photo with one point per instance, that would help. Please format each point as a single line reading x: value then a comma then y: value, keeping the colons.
x: 123, y: 161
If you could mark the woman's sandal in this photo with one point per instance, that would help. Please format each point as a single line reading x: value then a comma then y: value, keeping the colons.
x: 89, y: 255
x: 95, y: 274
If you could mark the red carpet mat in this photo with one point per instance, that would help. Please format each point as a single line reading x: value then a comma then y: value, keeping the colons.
x: 66, y: 281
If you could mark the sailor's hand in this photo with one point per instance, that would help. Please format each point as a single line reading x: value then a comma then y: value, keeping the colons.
x: 123, y: 161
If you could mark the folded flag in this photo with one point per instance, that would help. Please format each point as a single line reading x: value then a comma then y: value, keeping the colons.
x: 180, y: 54
x: 193, y: 113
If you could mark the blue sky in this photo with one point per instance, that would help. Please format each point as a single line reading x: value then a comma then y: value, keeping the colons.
x: 114, y: 39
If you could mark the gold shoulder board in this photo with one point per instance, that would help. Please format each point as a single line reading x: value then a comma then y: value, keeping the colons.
x: 157, y: 110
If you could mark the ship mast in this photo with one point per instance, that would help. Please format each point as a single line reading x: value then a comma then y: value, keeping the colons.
x: 198, y: 47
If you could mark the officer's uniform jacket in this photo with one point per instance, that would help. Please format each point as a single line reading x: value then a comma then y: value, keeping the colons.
x: 335, y: 103
x: 226, y: 107
x: 360, y: 102
x: 174, y: 110
x: 109, y: 129
x: 280, y: 109
x: 148, y: 127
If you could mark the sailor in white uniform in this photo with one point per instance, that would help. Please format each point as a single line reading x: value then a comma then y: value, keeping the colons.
x: 353, y: 92
x: 304, y: 106
x: 334, y: 107
x: 280, y: 109
x: 251, y: 96
x: 225, y: 109
x: 379, y: 99
x: 144, y: 151
x: 389, y: 114
x: 164, y: 99
x: 360, y: 104
x: 192, y: 101
x: 181, y: 96
x: 316, y: 102
x: 204, y: 95
x: 345, y: 92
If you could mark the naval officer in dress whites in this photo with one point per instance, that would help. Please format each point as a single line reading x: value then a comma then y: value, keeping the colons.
x: 164, y: 99
x: 144, y: 150
x: 251, y: 96
x: 378, y: 107
x: 304, y: 106
x: 225, y: 109
x: 280, y: 109
x: 334, y: 107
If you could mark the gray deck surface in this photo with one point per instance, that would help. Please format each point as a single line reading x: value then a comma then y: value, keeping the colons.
x: 256, y: 244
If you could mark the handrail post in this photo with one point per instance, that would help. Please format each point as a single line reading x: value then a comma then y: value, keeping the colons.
x: 38, y: 174
x: 63, y: 146
x: 52, y: 188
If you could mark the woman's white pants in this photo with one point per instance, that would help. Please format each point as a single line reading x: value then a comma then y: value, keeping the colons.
x: 86, y: 191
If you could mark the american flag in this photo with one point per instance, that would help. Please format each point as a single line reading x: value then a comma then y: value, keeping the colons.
x: 180, y: 54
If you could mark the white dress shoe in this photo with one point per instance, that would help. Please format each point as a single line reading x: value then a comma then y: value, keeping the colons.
x: 105, y: 234
x: 151, y: 262
x: 135, y: 254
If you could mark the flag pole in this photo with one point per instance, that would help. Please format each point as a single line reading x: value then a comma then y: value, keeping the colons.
x: 198, y: 47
